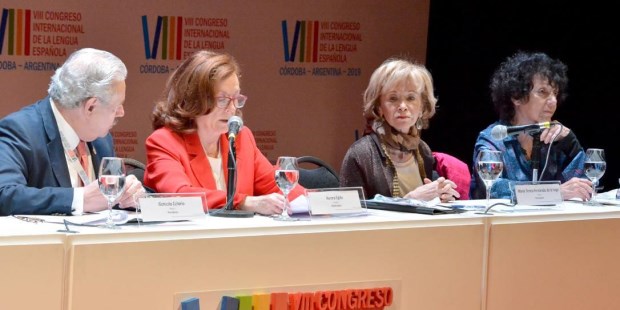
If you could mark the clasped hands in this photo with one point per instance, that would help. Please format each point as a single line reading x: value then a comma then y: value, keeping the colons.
x: 441, y: 188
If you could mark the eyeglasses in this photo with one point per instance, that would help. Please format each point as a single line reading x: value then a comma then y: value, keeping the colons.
x: 544, y: 92
x: 223, y: 101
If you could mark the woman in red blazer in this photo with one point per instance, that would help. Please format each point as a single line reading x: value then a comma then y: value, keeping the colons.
x: 188, y: 150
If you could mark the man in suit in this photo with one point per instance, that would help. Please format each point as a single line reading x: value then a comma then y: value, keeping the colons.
x: 45, y: 166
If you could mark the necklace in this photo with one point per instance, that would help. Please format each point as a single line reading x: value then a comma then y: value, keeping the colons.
x: 399, y: 155
x: 396, y: 190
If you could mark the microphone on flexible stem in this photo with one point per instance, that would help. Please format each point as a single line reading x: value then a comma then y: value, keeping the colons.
x: 234, y: 125
x: 500, y: 132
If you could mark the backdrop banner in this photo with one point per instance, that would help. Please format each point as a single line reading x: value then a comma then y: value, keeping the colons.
x: 305, y: 64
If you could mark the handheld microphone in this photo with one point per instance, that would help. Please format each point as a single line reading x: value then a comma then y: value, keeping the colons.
x: 234, y: 125
x: 500, y: 132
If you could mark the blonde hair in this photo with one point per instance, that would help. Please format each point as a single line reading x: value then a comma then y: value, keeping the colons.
x: 392, y: 73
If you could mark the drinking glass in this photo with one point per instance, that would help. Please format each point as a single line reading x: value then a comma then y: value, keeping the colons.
x: 490, y: 166
x: 287, y: 175
x: 111, y: 184
x: 594, y: 167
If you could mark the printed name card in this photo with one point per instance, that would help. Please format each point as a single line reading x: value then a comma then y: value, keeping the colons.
x: 323, y: 202
x: 171, y: 208
x: 536, y: 194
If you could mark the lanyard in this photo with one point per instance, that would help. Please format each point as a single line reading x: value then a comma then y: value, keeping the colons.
x: 74, y: 160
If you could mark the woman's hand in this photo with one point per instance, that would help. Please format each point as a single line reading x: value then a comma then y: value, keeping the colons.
x: 556, y: 133
x: 576, y: 188
x: 442, y: 188
x: 266, y: 205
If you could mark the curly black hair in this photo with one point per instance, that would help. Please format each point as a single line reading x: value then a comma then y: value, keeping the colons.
x: 514, y: 80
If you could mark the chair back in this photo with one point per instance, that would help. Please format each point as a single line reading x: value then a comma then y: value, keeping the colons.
x: 321, y: 175
x: 135, y: 167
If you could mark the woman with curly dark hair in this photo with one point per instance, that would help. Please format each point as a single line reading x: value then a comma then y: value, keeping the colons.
x: 526, y: 89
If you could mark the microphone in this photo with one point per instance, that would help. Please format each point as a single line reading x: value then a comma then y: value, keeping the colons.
x: 234, y: 125
x: 500, y: 132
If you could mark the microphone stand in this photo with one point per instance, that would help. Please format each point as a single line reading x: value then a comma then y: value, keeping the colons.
x: 228, y: 210
x: 231, y: 185
x: 535, y: 155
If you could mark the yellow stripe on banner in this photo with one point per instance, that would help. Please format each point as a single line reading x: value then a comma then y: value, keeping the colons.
x: 20, y: 32
x: 261, y: 301
x: 309, y: 29
x: 164, y: 38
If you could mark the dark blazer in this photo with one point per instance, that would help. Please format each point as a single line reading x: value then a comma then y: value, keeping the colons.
x: 365, y: 165
x: 34, y: 177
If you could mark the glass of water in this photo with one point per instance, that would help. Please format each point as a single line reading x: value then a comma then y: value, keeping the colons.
x: 111, y: 184
x: 594, y: 168
x: 490, y: 166
x: 287, y: 175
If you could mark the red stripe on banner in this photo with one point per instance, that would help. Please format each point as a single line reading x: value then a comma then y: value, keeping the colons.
x: 179, y: 36
x: 315, y: 44
x: 27, y: 33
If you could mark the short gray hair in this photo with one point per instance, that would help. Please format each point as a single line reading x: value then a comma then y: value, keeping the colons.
x: 87, y: 73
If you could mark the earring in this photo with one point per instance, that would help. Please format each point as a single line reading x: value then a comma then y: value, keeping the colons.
x: 418, y: 123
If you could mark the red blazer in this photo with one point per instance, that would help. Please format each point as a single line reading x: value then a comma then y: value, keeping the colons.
x: 177, y: 163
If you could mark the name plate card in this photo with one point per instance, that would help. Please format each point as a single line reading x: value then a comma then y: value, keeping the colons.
x: 171, y: 208
x: 324, y: 202
x: 536, y: 194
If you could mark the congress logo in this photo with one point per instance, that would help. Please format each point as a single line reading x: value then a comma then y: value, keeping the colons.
x: 177, y: 37
x: 320, y: 41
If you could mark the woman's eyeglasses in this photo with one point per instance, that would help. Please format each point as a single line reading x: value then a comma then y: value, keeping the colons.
x: 223, y: 101
x: 544, y: 93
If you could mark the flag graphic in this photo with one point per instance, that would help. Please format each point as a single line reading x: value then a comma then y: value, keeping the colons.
x: 168, y: 34
x: 305, y: 41
x: 15, y: 31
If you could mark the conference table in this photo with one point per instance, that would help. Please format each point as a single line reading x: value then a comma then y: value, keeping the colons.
x: 562, y: 257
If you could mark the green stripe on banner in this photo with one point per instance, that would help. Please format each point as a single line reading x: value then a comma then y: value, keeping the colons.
x: 245, y: 302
